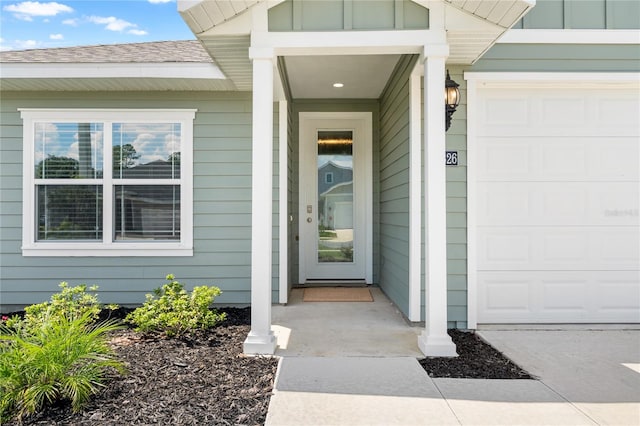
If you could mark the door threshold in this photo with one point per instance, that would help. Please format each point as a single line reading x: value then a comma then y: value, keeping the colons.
x: 332, y: 283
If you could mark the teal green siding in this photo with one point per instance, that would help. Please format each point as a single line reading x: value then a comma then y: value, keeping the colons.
x: 338, y: 15
x: 394, y: 185
x: 222, y: 205
x: 560, y: 58
x: 582, y: 14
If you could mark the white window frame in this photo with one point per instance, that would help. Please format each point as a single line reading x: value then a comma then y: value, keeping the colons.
x: 108, y: 247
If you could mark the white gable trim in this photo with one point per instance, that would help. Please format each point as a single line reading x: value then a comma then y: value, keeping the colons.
x: 349, y: 43
x: 571, y: 37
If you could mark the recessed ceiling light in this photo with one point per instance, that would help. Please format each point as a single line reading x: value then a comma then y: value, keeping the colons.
x: 338, y: 85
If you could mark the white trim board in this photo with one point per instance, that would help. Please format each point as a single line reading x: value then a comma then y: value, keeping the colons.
x: 570, y: 36
x: 553, y: 79
x: 90, y: 70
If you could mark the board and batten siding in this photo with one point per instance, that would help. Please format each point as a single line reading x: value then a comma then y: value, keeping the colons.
x: 222, y: 205
x: 582, y: 14
x: 341, y: 15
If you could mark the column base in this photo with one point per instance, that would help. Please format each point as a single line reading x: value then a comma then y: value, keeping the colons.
x: 437, y: 346
x: 260, y: 344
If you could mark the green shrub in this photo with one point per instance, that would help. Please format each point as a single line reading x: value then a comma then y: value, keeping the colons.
x: 72, y: 302
x: 171, y: 310
x: 65, y: 358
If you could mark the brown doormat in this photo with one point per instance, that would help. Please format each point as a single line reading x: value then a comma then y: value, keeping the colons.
x: 337, y: 294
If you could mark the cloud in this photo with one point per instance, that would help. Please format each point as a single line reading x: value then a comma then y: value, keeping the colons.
x: 28, y: 9
x: 160, y: 1
x: 56, y: 36
x: 26, y: 44
x: 137, y: 32
x: 73, y: 22
x: 112, y: 23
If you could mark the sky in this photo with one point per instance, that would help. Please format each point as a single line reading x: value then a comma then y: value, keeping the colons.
x: 61, y: 23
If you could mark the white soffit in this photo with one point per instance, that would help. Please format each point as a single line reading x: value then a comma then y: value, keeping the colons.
x: 112, y: 76
x: 203, y: 15
x: 503, y: 13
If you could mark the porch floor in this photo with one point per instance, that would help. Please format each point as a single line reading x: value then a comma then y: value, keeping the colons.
x: 343, y: 329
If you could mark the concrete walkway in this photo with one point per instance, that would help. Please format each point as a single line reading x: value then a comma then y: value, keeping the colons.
x: 586, y: 377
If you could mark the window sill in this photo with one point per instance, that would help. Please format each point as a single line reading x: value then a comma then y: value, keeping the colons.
x: 81, y: 249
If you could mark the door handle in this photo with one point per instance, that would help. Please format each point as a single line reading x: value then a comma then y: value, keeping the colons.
x: 309, y: 220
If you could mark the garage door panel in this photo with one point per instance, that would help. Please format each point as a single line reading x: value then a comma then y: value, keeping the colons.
x: 558, y: 112
x: 558, y: 204
x: 553, y: 158
x: 555, y: 249
x: 561, y: 296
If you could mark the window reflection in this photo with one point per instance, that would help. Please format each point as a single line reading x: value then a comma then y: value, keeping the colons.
x: 335, y: 196
x: 146, y: 150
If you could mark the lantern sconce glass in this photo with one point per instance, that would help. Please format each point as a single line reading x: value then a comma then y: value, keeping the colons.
x: 451, y: 99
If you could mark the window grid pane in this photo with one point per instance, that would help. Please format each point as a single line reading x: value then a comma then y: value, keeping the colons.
x: 69, y: 212
x: 68, y: 150
x: 147, y: 212
x: 146, y: 150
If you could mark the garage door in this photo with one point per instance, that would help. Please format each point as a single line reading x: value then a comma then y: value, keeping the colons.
x: 557, y: 207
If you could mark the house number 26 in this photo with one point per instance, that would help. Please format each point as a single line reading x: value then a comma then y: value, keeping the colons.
x: 451, y: 158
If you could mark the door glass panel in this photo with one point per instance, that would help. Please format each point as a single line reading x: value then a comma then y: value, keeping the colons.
x: 335, y: 196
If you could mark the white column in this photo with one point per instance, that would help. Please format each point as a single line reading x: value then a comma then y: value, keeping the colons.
x: 434, y: 340
x: 261, y: 339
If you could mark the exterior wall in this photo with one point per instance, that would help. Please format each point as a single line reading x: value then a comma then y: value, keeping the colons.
x: 582, y: 14
x: 330, y: 105
x: 560, y: 58
x: 222, y: 205
x: 394, y: 185
x: 337, y: 15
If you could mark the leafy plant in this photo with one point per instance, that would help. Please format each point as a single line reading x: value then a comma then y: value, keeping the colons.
x: 71, y: 302
x: 65, y: 358
x: 175, y: 312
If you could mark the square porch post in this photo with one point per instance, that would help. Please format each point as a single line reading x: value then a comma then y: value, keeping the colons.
x: 434, y: 340
x: 261, y: 339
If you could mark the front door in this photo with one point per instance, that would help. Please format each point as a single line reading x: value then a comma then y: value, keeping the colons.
x: 335, y: 197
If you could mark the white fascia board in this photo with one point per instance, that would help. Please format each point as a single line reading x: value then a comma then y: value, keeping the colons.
x: 571, y: 37
x: 553, y: 79
x: 182, y: 70
x: 348, y: 43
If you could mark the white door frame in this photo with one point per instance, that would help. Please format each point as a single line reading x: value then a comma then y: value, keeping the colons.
x: 366, y: 163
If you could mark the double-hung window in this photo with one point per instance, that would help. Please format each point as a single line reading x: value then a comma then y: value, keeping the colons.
x: 110, y: 182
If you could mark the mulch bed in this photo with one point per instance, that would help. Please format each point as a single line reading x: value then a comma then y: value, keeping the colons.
x: 477, y: 360
x: 201, y: 380
x: 205, y: 380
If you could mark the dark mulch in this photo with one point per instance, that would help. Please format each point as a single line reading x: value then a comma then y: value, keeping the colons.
x: 201, y: 380
x: 205, y: 379
x: 477, y: 360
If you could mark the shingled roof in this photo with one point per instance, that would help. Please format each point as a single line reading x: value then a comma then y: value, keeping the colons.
x: 154, y: 52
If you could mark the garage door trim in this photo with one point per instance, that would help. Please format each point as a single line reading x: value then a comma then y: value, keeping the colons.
x: 477, y: 80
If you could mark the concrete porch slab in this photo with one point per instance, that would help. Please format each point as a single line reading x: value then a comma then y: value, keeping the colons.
x: 337, y: 329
